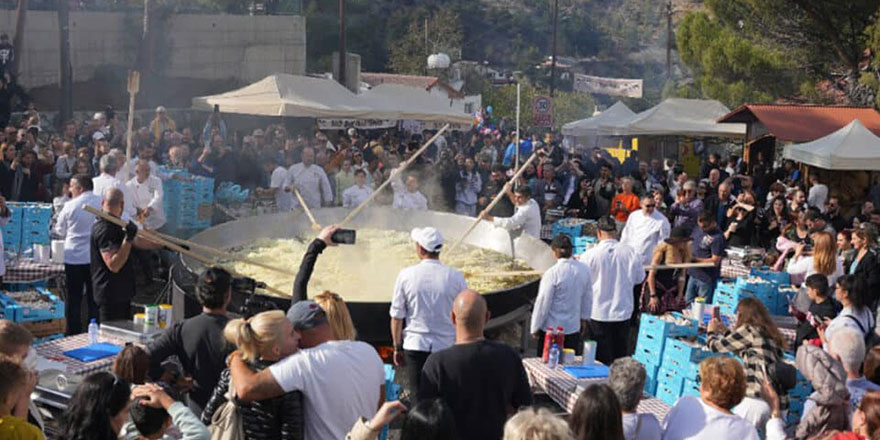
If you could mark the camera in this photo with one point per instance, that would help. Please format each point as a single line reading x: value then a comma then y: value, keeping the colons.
x: 245, y: 286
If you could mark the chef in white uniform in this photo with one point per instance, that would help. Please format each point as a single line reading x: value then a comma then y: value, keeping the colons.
x: 645, y: 229
x: 614, y: 268
x: 311, y: 181
x: 356, y: 194
x: 107, y: 179
x: 279, y: 182
x: 527, y: 216
x: 146, y: 193
x: 422, y: 300
x: 410, y: 197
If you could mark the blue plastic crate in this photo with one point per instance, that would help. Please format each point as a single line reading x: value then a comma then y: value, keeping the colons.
x: 24, y: 313
x: 573, y: 227
x: 667, y: 395
x: 684, y: 352
x: 690, y: 388
x: 778, y: 278
x: 670, y: 379
x: 48, y: 338
x: 8, y: 309
x: 758, y: 288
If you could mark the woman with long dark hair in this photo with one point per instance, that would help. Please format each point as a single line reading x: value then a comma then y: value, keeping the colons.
x: 864, y: 262
x: 852, y: 293
x: 596, y: 415
x: 97, y: 410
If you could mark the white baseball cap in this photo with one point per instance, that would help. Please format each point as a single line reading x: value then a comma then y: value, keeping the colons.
x: 98, y: 135
x: 160, y: 109
x: 428, y: 238
x: 98, y: 116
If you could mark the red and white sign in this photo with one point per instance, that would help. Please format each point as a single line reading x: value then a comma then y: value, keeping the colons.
x: 542, y: 111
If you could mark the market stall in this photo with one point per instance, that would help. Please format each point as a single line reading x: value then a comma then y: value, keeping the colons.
x: 585, y: 132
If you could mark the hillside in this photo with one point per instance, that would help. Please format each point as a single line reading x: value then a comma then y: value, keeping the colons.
x: 623, y: 38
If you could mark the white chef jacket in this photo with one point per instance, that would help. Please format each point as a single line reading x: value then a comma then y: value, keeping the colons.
x: 614, y: 268
x: 148, y: 195
x: 817, y: 196
x: 410, y: 200
x: 355, y: 195
x: 526, y: 217
x: 279, y: 181
x: 423, y: 296
x: 564, y: 297
x: 312, y: 183
x: 75, y: 224
x: 105, y: 181
x: 643, y: 233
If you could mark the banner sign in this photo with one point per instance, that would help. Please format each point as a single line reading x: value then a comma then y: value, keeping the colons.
x: 542, y: 111
x: 598, y: 85
x: 363, y: 124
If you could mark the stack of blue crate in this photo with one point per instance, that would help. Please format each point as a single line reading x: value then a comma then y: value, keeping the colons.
x: 797, y: 396
x: 728, y: 295
x: 581, y: 244
x: 36, y: 220
x: 679, y: 367
x: 188, y: 201
x: 779, y: 280
x: 12, y: 230
x: 573, y: 227
x: 653, y: 335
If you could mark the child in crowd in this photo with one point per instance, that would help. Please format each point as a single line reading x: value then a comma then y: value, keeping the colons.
x: 15, y: 342
x: 821, y: 307
x: 16, y: 385
x: 153, y: 411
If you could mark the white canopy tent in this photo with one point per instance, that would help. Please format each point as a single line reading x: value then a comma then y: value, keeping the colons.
x: 616, y: 114
x: 302, y: 96
x: 677, y: 117
x: 853, y: 147
x: 282, y: 94
x: 393, y: 101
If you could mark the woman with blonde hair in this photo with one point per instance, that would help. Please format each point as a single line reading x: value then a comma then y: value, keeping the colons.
x: 262, y: 340
x: 337, y: 315
x: 823, y: 259
x: 758, y: 342
x: 536, y: 424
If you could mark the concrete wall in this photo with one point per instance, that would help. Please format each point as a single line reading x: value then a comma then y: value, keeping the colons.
x: 245, y: 48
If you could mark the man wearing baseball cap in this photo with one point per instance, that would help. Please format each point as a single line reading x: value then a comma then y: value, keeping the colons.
x: 423, y: 296
x: 341, y: 380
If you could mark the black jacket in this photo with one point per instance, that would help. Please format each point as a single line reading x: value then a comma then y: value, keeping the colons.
x: 869, y: 270
x: 301, y: 282
x: 278, y: 418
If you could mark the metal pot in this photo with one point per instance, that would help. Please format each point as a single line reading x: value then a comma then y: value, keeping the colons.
x: 371, y: 318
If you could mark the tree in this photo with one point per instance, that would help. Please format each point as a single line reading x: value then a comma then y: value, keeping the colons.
x: 567, y: 106
x: 410, y: 50
x: 730, y: 68
x: 812, y: 41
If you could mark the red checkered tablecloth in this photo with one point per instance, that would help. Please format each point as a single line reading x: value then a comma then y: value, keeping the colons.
x: 26, y: 270
x: 54, y: 350
x: 562, y: 388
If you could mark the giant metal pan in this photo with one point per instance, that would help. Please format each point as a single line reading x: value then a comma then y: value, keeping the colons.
x: 371, y: 318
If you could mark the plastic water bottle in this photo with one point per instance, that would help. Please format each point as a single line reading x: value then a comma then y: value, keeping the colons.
x: 93, y: 332
x: 553, y: 359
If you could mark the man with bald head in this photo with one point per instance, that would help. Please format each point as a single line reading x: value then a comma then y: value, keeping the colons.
x: 719, y: 202
x: 482, y: 381
x: 111, y: 268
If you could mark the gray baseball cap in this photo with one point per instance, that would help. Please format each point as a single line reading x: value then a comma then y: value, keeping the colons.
x: 306, y: 314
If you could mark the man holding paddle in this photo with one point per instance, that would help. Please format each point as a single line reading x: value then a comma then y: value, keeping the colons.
x: 527, y: 216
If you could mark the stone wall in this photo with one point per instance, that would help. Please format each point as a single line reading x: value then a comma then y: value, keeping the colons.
x: 238, y: 47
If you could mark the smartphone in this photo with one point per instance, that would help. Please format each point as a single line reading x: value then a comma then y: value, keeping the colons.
x: 216, y: 108
x: 716, y: 313
x: 344, y: 236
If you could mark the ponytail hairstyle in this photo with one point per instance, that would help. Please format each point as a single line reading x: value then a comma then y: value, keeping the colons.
x: 132, y: 364
x: 254, y: 335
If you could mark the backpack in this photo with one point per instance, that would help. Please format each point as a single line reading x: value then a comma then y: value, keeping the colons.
x: 226, y: 422
x: 871, y: 337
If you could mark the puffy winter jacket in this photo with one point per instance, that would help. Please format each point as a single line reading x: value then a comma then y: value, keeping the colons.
x: 828, y: 378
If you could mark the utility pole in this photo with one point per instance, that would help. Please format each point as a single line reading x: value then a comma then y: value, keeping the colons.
x: 553, y: 61
x: 65, y: 85
x: 427, y: 49
x: 669, y: 39
x: 342, y: 50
